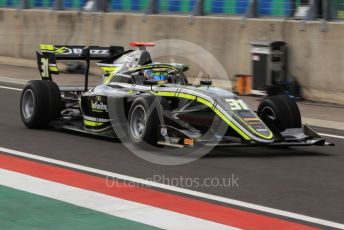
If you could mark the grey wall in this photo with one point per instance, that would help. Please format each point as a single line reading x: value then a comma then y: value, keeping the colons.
x: 316, y: 58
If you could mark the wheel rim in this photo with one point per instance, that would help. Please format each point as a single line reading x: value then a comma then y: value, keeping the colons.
x: 269, y: 112
x: 28, y: 104
x: 138, y: 122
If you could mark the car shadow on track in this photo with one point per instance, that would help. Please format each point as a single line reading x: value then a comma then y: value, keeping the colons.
x: 262, y: 152
x: 223, y: 152
x: 86, y: 135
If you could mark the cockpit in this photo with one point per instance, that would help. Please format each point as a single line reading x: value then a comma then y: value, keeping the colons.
x: 159, y: 73
x: 137, y: 67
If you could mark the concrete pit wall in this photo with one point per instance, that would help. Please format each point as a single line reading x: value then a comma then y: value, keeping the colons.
x: 316, y: 58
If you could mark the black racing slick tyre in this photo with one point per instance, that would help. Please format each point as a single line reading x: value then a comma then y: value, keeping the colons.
x: 40, y: 103
x: 280, y: 111
x: 143, y: 121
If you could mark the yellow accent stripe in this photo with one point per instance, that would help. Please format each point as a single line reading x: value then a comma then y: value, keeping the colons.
x: 251, y: 119
x: 223, y: 117
x: 46, y: 47
x: 53, y: 68
x: 186, y: 96
x: 108, y: 68
x: 207, y: 103
x: 92, y: 123
x: 109, y: 78
x: 255, y: 131
x: 156, y: 66
x: 60, y: 50
x: 261, y: 135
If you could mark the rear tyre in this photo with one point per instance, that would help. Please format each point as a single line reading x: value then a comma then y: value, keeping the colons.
x: 40, y: 104
x: 280, y: 111
x: 143, y: 122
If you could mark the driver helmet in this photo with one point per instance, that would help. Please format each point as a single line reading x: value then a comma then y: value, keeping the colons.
x: 155, y: 75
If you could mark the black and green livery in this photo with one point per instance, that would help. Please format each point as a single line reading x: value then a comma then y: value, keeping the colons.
x: 171, y: 112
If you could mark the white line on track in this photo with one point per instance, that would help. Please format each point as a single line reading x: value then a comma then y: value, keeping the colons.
x: 134, y: 211
x: 13, y: 80
x: 331, y: 135
x: 10, y: 88
x: 179, y: 190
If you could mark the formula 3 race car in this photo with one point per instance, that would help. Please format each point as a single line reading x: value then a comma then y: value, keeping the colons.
x: 160, y: 109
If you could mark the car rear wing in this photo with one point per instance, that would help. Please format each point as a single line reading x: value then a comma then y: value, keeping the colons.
x: 47, y: 56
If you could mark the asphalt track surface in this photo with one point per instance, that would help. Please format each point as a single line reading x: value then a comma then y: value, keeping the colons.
x: 304, y: 180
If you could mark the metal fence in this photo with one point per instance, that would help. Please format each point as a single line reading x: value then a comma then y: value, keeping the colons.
x: 176, y: 6
x: 127, y: 5
x: 275, y: 8
x: 260, y: 8
x: 68, y: 4
x: 164, y: 6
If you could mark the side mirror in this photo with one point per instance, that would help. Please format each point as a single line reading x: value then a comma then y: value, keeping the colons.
x: 150, y: 82
x: 185, y: 68
x: 206, y: 82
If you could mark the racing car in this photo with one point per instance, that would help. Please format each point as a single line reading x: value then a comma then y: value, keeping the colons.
x: 152, y: 102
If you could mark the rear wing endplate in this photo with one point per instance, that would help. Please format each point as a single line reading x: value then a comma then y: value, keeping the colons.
x: 46, y: 58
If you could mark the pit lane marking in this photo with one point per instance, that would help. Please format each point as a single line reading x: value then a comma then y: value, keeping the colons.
x: 13, y: 80
x: 10, y: 88
x: 105, y: 203
x: 331, y: 135
x: 179, y: 190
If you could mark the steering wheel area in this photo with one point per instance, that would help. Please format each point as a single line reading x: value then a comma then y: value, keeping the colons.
x: 163, y: 75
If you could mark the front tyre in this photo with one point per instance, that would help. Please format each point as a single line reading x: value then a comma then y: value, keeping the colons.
x: 40, y: 103
x: 280, y: 112
x: 143, y: 122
